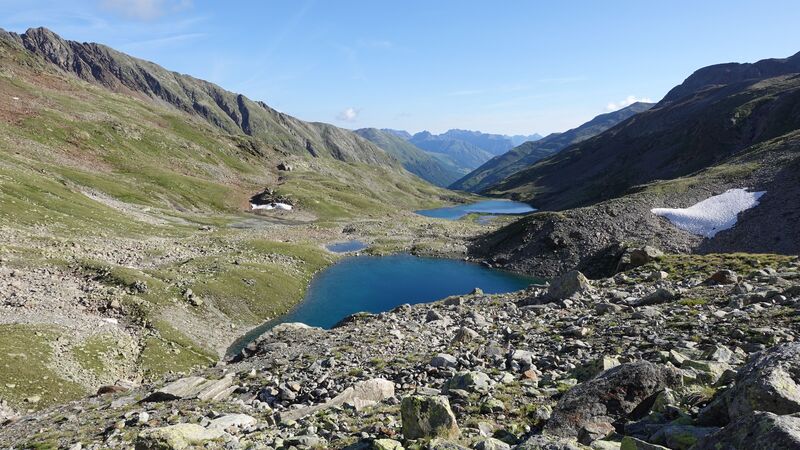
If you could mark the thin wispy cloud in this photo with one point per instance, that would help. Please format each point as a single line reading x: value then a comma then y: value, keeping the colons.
x: 465, y: 92
x: 562, y: 80
x: 163, y: 41
x: 348, y: 115
x: 629, y: 100
x: 145, y: 9
x: 375, y: 43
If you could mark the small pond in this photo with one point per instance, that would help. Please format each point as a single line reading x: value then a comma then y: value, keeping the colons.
x: 347, y: 246
x: 485, y: 207
x: 381, y: 283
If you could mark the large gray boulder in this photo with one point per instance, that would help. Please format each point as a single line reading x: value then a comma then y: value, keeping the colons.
x: 361, y: 395
x: 195, y: 387
x: 426, y: 417
x: 757, y: 431
x: 768, y: 382
x: 175, y: 437
x: 632, y: 258
x: 567, y: 285
x: 612, y: 396
x: 471, y: 381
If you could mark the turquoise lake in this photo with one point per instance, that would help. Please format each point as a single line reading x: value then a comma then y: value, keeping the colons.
x: 380, y: 283
x: 485, y: 207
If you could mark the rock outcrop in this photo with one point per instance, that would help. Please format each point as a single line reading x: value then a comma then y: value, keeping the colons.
x: 622, y: 392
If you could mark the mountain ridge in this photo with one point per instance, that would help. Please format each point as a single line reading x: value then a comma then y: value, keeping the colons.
x: 672, y: 139
x: 415, y: 160
x: 503, y: 166
x: 224, y: 109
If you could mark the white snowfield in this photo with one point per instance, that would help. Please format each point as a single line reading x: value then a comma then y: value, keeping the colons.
x: 713, y: 214
x: 283, y: 206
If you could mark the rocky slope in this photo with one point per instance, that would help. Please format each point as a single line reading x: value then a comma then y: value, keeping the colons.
x: 503, y: 166
x: 230, y: 112
x: 697, y: 126
x: 413, y: 159
x: 126, y: 231
x: 674, y: 354
x: 685, y: 149
x: 590, y: 237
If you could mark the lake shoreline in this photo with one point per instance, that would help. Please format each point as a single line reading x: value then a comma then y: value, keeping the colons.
x: 389, y: 267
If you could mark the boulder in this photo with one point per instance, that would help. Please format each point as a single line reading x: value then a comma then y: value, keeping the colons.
x: 359, y: 396
x: 175, y: 437
x: 723, y: 277
x: 472, y: 381
x: 442, y: 444
x: 194, y: 387
x: 567, y: 285
x: 659, y: 296
x: 228, y: 421
x: 636, y: 257
x: 768, y: 382
x: 444, y: 360
x: 681, y: 437
x: 593, y: 431
x: 386, y: 444
x: 757, y: 431
x: 491, y: 444
x: 624, y: 391
x: 464, y: 335
x: 632, y: 443
x: 425, y: 417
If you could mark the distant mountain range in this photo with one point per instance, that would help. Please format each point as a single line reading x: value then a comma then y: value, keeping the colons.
x: 526, y: 154
x: 457, y: 151
x: 428, y: 166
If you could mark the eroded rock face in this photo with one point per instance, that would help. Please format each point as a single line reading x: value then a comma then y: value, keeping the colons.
x: 613, y: 395
x: 768, y: 382
x: 757, y: 431
x: 428, y: 417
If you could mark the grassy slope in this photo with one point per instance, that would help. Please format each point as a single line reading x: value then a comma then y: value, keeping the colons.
x: 414, y: 159
x: 669, y: 141
x: 63, y: 138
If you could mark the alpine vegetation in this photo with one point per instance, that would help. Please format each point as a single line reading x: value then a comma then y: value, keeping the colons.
x: 190, y: 264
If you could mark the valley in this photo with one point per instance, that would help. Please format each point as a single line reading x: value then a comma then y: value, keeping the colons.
x: 184, y: 267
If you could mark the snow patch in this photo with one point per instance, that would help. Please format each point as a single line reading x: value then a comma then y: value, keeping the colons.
x: 713, y: 214
x: 111, y: 320
x: 268, y: 206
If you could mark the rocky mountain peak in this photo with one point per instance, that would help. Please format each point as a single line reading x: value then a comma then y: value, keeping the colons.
x: 728, y: 73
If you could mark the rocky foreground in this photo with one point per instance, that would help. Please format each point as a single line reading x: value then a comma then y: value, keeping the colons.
x: 675, y: 353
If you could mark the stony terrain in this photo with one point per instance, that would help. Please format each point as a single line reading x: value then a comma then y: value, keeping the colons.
x: 588, y: 238
x: 680, y: 352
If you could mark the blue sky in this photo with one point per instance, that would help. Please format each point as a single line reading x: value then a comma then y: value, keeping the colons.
x: 505, y: 67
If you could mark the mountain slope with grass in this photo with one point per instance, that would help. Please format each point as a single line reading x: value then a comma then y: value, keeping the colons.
x: 231, y: 112
x: 413, y: 159
x: 715, y: 114
x: 500, y: 167
x: 127, y: 232
x: 464, y: 155
x: 687, y: 148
